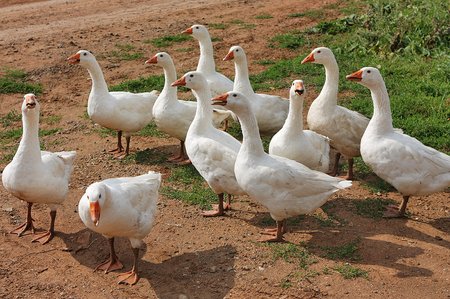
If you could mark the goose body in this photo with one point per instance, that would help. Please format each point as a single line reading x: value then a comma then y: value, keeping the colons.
x: 270, y: 111
x: 217, y: 82
x: 401, y: 160
x: 343, y: 126
x: 37, y: 176
x: 122, y: 207
x: 292, y: 142
x: 211, y: 151
x: 118, y: 110
x: 285, y: 187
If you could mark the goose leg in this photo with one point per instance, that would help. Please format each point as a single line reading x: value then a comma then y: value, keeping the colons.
x: 119, y: 148
x: 131, y: 277
x: 28, y: 225
x: 335, y: 169
x: 216, y: 212
x: 45, y: 237
x: 127, y: 148
x: 182, y: 157
x: 275, y: 235
x: 350, y: 170
x: 226, y: 206
x: 113, y: 262
x: 395, y: 212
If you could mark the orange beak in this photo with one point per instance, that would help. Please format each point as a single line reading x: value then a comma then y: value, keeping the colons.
x: 153, y: 60
x: 299, y: 88
x: 30, y: 102
x: 188, y: 31
x: 220, y: 99
x: 229, y: 56
x: 309, y: 58
x: 74, y: 59
x: 356, y: 76
x: 94, y: 207
x: 180, y: 82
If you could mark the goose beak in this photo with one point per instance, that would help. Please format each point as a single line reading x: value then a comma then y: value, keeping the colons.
x: 180, y: 82
x: 152, y: 60
x: 188, y: 31
x: 220, y: 100
x: 94, y: 208
x: 309, y: 58
x: 74, y: 59
x: 356, y: 76
x: 299, y: 88
x: 229, y: 56
x: 30, y: 101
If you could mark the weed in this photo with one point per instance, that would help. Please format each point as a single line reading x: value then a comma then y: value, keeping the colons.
x: 15, y: 81
x: 372, y: 207
x: 146, y: 157
x: 296, y: 15
x: 265, y: 62
x: 152, y: 130
x: 346, y: 251
x: 292, y: 253
x: 166, y: 41
x: 11, y: 117
x: 52, y: 119
x: 218, y: 26
x: 289, y: 41
x: 264, y: 17
x: 350, y: 272
x: 142, y: 84
x: 126, y: 52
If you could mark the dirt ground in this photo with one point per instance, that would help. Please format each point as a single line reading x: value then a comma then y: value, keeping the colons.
x: 188, y: 256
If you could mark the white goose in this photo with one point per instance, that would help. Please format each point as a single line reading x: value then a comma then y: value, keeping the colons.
x: 270, y: 111
x: 292, y: 142
x: 122, y: 111
x: 121, y: 207
x: 343, y: 126
x: 211, y: 151
x: 402, y: 161
x: 37, y: 176
x: 217, y: 82
x: 285, y: 187
x: 173, y: 116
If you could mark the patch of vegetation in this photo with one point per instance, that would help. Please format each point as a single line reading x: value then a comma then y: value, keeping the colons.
x: 350, y: 272
x: 218, y: 26
x: 184, y: 49
x: 142, y: 84
x: 264, y: 16
x: 292, y: 253
x: 126, y: 52
x: 16, y: 81
x: 169, y: 40
x: 346, y: 251
x: 147, y: 157
x: 372, y: 207
x: 242, y: 24
x: 265, y: 62
x: 291, y: 41
x: 11, y: 117
x: 52, y: 119
x: 152, y: 130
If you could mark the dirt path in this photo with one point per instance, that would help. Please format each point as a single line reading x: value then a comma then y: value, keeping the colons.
x: 188, y: 256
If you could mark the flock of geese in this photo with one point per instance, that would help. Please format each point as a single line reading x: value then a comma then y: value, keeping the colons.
x: 289, y: 180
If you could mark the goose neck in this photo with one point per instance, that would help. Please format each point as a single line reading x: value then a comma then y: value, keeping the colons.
x: 251, y: 143
x: 170, y: 75
x: 242, y: 80
x: 99, y: 85
x: 331, y: 85
x: 294, y: 120
x: 382, y: 117
x: 29, y: 148
x: 206, y: 62
x: 203, y: 114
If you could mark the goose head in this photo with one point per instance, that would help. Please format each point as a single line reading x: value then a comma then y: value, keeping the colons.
x: 82, y: 57
x: 30, y: 105
x: 197, y: 31
x: 319, y: 55
x: 367, y: 76
x: 193, y: 80
x: 233, y: 100
x: 96, y: 195
x: 161, y: 58
x: 236, y: 53
x: 297, y: 90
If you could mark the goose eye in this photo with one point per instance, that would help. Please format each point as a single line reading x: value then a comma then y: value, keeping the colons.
x: 234, y: 95
x: 368, y: 71
x: 191, y: 75
x: 318, y: 51
x: 84, y: 53
x: 99, y: 196
x: 197, y: 27
x: 87, y: 196
x: 237, y: 50
x: 161, y: 55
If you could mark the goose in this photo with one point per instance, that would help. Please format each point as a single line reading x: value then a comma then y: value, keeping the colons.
x: 217, y: 82
x: 402, y: 161
x: 211, y: 151
x: 344, y: 127
x: 285, y: 187
x: 292, y: 142
x: 270, y: 111
x: 123, y: 111
x: 121, y: 207
x: 173, y: 116
x: 36, y: 176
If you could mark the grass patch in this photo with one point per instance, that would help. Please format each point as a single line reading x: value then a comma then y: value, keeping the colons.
x: 169, y: 40
x: 265, y: 62
x: 346, y: 251
x: 11, y: 117
x: 372, y: 207
x: 16, y: 81
x: 292, y: 253
x: 152, y: 130
x: 291, y: 41
x: 142, y: 84
x: 220, y: 26
x: 350, y: 272
x: 263, y: 17
x: 146, y: 157
x: 126, y: 52
x: 242, y: 24
x: 52, y: 119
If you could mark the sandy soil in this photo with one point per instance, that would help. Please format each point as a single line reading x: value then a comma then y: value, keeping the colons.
x: 188, y: 256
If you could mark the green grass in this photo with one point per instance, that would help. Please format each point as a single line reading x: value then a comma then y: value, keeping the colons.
x: 292, y: 253
x: 242, y: 24
x: 152, y: 130
x: 372, y: 207
x: 169, y: 40
x: 52, y: 119
x: 16, y: 81
x: 10, y: 118
x: 142, y: 84
x: 348, y: 251
x: 146, y: 157
x: 263, y: 17
x: 291, y: 41
x: 126, y: 52
x: 221, y: 26
x: 350, y: 272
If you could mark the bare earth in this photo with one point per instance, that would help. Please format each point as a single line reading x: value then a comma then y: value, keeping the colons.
x: 188, y: 256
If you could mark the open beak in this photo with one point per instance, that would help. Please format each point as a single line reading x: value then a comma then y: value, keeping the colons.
x: 30, y: 102
x: 188, y: 31
x: 220, y: 100
x: 95, y: 212
x: 180, y: 82
x: 356, y: 76
x: 299, y: 88
x: 74, y: 59
x: 309, y: 58
x: 153, y: 60
x: 229, y: 56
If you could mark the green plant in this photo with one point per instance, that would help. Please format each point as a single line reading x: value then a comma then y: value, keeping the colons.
x: 141, y: 84
x: 350, y: 272
x: 126, y: 52
x: 11, y: 117
x: 264, y: 16
x: 15, y: 81
x: 289, y: 41
x: 166, y: 41
x: 292, y: 253
x: 218, y: 26
x: 52, y: 119
x: 152, y: 130
x: 372, y: 207
x: 346, y: 251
